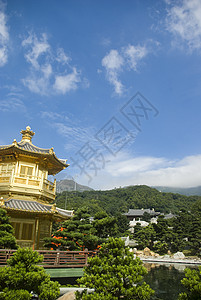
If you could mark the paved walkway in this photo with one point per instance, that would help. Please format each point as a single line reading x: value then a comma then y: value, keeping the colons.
x: 161, y: 259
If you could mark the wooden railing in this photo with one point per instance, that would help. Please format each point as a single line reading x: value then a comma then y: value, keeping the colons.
x: 5, y: 177
x: 48, y: 185
x: 55, y: 259
x: 28, y: 180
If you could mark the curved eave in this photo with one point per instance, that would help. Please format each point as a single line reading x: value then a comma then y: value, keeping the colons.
x: 58, y: 165
x: 54, y: 213
x: 19, y: 210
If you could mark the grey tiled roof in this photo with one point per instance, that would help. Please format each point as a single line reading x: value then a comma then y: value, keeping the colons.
x: 169, y: 216
x: 27, y: 146
x: 140, y: 212
x: 24, y: 205
x: 34, y: 206
x: 30, y: 147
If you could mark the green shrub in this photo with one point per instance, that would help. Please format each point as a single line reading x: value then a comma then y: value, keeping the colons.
x: 22, y: 276
x: 192, y: 283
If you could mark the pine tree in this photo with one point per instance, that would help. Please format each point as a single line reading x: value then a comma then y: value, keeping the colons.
x: 115, y: 274
x: 7, y: 239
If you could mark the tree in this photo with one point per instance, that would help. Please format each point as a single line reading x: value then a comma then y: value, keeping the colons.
x: 7, y: 239
x: 192, y: 283
x: 82, y: 232
x: 123, y: 224
x: 145, y: 236
x: 146, y: 217
x: 161, y: 228
x: 187, y: 227
x: 105, y: 226
x: 77, y: 233
x: 22, y: 276
x: 160, y: 247
x: 115, y: 274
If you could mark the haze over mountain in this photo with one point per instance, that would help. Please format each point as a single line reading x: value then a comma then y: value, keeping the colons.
x: 70, y: 185
x: 184, y: 191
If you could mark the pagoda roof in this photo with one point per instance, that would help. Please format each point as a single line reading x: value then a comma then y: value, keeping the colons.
x: 26, y: 147
x: 34, y: 207
x: 31, y: 206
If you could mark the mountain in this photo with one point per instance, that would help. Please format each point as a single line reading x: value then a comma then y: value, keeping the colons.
x: 118, y: 201
x: 70, y: 185
x: 184, y: 191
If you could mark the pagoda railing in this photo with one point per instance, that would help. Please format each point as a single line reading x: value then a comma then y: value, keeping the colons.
x: 55, y: 259
x: 28, y: 180
x: 49, y: 185
x: 5, y: 178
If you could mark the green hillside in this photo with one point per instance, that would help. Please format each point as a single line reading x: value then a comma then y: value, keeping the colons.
x: 120, y: 200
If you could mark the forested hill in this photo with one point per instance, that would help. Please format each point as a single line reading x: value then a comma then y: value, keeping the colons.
x: 120, y: 200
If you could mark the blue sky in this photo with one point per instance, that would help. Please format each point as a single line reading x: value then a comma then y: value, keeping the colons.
x: 114, y: 86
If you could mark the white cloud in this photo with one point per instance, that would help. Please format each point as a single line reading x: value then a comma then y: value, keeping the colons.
x: 113, y: 63
x: 184, y: 22
x: 47, y: 70
x: 37, y: 84
x: 62, y: 57
x: 67, y: 82
x: 105, y: 42
x: 42, y: 78
x: 12, y: 104
x: 138, y: 164
x: 53, y: 116
x: 3, y: 56
x: 4, y: 37
x: 37, y: 48
x: 134, y: 54
x: 67, y: 126
x: 125, y: 170
x: 116, y: 62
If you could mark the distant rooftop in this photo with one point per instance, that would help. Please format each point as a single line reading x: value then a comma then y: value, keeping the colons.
x: 140, y: 212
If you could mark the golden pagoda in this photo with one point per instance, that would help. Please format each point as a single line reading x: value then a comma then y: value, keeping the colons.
x: 25, y: 191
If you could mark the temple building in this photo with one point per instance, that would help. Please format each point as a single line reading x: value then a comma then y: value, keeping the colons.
x: 25, y: 191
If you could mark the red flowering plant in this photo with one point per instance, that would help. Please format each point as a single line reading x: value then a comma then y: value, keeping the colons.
x: 77, y: 233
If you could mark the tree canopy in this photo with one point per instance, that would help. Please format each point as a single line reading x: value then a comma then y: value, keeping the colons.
x: 192, y: 283
x: 22, y: 276
x: 115, y: 274
x: 7, y: 239
x: 82, y: 231
x: 177, y: 234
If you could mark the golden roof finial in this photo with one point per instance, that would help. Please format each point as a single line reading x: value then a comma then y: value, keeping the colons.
x: 2, y: 203
x: 15, y: 142
x: 27, y: 134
